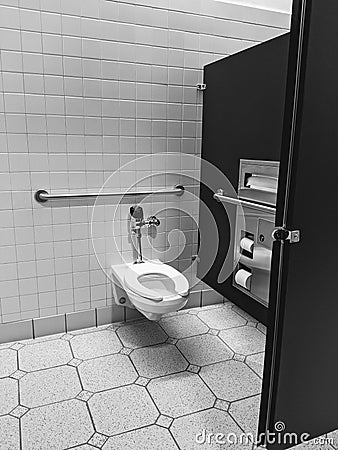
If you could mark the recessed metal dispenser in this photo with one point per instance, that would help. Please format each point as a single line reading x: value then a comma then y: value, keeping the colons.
x: 257, y: 192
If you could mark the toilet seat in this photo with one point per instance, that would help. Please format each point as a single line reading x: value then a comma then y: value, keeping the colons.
x: 132, y: 279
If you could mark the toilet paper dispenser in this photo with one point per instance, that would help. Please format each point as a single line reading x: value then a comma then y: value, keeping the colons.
x: 258, y: 181
x: 257, y: 194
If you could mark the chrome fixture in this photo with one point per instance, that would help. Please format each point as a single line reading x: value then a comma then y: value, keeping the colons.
x: 43, y: 196
x: 220, y: 197
x: 257, y: 195
x: 282, y: 234
x: 201, y: 86
x: 137, y: 222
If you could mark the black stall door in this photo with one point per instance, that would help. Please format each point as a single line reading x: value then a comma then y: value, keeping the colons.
x: 300, y: 388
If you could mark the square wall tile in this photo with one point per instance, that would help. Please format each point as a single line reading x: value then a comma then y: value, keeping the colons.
x: 110, y: 314
x: 211, y: 297
x: 15, y: 331
x: 194, y: 300
x: 88, y: 87
x: 49, y: 325
x: 80, y: 319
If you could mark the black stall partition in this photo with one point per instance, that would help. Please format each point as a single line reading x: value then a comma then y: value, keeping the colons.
x: 242, y: 118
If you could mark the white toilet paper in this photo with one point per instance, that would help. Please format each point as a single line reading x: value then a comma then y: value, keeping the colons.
x: 263, y: 183
x: 243, y: 278
x: 247, y: 244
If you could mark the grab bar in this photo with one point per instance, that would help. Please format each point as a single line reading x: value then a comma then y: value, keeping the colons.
x: 43, y: 196
x: 235, y: 201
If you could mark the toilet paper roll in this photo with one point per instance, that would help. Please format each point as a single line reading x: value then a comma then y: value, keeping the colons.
x: 243, y: 278
x: 263, y: 183
x: 247, y: 244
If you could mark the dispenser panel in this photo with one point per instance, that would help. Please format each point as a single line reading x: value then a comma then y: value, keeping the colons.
x: 264, y: 233
x: 258, y: 181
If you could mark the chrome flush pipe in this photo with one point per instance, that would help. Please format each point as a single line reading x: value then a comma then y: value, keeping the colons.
x: 139, y: 259
x: 138, y: 222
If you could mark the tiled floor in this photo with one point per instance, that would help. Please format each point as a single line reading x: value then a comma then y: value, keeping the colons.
x: 134, y: 386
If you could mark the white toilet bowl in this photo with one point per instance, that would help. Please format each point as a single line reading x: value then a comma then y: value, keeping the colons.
x: 152, y: 287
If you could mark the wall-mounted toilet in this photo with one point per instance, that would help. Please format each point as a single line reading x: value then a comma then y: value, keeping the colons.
x: 153, y: 288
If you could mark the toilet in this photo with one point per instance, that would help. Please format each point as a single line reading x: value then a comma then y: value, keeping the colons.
x: 152, y: 287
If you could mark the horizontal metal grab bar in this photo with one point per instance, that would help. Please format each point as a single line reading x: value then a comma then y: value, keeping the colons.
x: 235, y: 201
x: 43, y: 196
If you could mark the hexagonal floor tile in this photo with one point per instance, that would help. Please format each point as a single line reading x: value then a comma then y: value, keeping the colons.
x: 107, y: 372
x: 221, y: 318
x: 148, y: 438
x: 8, y: 362
x: 189, y: 431
x: 96, y: 343
x: 246, y: 413
x: 9, y: 398
x: 334, y: 436
x: 231, y: 380
x: 262, y: 328
x: 9, y: 433
x: 180, y: 394
x: 44, y: 354
x: 256, y: 363
x: 49, y: 386
x: 183, y: 325
x: 204, y: 349
x: 159, y: 360
x: 141, y: 334
x: 57, y: 426
x: 244, y: 340
x: 122, y: 409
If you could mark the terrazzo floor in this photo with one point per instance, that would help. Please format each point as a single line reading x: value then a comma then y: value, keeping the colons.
x: 135, y: 386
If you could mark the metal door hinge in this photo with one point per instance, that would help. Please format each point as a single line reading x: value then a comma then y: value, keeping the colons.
x: 201, y: 86
x: 282, y: 234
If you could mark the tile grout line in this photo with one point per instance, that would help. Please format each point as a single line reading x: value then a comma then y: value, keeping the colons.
x: 19, y: 400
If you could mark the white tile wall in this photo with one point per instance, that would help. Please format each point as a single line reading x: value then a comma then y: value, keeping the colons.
x: 87, y: 86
